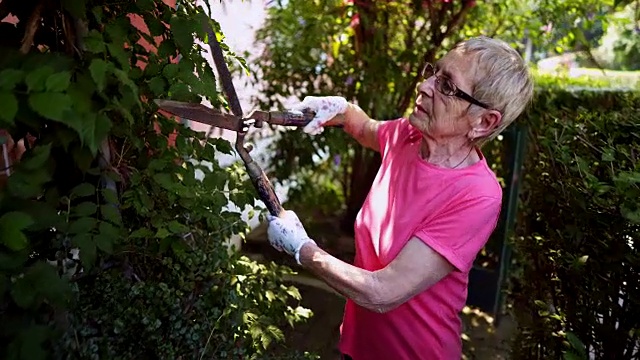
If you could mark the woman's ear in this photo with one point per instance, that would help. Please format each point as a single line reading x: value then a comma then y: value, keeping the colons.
x: 485, y: 124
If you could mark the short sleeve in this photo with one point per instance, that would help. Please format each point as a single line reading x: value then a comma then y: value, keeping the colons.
x: 460, y: 233
x: 391, y: 132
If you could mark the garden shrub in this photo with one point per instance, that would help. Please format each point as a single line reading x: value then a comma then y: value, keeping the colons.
x: 104, y: 173
x: 575, y: 290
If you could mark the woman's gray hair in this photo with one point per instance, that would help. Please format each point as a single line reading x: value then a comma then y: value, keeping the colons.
x: 503, y: 80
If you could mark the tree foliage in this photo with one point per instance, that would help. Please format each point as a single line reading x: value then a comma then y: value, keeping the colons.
x: 110, y: 246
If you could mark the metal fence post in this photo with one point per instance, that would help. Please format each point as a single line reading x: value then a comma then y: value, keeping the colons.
x: 486, y: 284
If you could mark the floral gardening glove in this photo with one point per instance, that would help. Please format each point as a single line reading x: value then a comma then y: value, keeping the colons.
x: 325, y: 107
x: 287, y: 233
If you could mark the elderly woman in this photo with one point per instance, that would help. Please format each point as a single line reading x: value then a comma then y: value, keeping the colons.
x: 430, y: 210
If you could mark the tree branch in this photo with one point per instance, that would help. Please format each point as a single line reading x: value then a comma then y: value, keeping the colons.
x: 456, y: 20
x: 31, y: 28
x: 436, y: 42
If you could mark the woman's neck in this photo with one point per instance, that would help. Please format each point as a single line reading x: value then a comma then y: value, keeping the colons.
x: 452, y: 154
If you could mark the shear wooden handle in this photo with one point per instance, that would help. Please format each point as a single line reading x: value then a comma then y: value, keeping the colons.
x: 265, y: 190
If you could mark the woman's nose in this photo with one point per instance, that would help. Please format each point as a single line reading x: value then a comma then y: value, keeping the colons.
x: 427, y: 86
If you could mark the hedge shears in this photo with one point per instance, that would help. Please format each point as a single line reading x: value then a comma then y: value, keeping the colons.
x: 238, y: 123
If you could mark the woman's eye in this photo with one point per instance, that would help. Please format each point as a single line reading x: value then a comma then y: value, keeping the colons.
x: 447, y: 87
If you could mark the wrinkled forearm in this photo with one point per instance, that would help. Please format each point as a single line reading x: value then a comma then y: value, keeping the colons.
x: 361, y: 286
x: 362, y: 128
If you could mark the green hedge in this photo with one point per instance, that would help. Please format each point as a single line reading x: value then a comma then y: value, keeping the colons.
x: 575, y: 287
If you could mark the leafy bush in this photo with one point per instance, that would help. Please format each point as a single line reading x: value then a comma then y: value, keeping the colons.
x: 109, y: 245
x: 576, y: 290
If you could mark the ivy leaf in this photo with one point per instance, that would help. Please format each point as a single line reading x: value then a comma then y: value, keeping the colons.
x: 87, y: 249
x: 126, y: 80
x: 222, y: 145
x: 631, y: 212
x: 104, y: 243
x: 50, y: 105
x: 81, y: 90
x: 13, y: 261
x: 106, y: 236
x: 9, y: 106
x: 111, y: 213
x: 156, y: 27
x: 26, y: 184
x: 86, y: 208
x: 84, y: 189
x: 98, y: 70
x: 97, y: 13
x: 182, y: 30
x: 145, y: 5
x: 177, y: 228
x: 94, y: 42
x: 95, y: 132
x: 37, y: 79
x: 49, y: 284
x: 91, y: 128
x: 23, y: 292
x: 58, y: 82
x: 31, y: 342
x: 170, y: 71
x: 82, y: 225
x: 166, y: 49
x: 11, y: 226
x: 40, y: 281
x: 37, y: 157
x: 77, y: 8
x: 156, y: 84
x: 162, y: 233
x: 164, y: 180
x: 119, y: 53
x: 110, y: 196
x: 9, y: 78
x: 179, y: 91
x: 141, y: 233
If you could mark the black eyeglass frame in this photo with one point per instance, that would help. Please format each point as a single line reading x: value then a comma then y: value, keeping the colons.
x: 430, y: 70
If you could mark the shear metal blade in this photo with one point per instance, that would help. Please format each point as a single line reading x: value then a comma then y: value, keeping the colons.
x: 202, y: 114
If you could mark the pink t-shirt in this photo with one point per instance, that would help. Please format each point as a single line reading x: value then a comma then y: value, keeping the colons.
x: 453, y: 211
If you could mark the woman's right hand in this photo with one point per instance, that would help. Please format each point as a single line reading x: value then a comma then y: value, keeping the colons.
x: 326, y: 109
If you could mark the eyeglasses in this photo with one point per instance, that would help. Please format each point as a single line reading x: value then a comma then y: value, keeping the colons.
x: 445, y: 86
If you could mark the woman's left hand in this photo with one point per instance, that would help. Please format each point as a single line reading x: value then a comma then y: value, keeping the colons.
x: 287, y: 233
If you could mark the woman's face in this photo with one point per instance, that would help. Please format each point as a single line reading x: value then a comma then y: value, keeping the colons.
x: 440, y: 116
